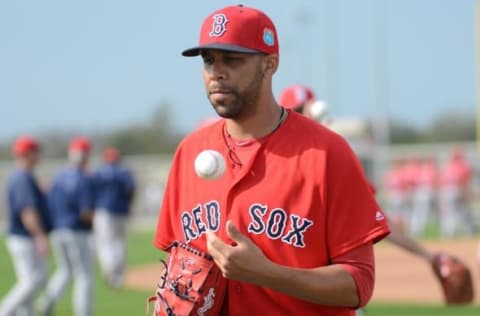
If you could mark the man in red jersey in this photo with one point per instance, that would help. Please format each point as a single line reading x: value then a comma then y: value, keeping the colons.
x: 292, y: 221
x: 300, y: 98
x: 456, y: 215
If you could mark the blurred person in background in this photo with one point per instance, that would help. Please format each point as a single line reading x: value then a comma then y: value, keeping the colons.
x: 424, y: 195
x: 456, y: 196
x: 71, y: 204
x: 296, y: 97
x: 301, y: 99
x: 114, y: 192
x: 398, y: 205
x: 27, y: 228
x: 297, y: 101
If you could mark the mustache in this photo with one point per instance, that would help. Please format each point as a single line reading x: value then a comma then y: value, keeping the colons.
x: 217, y: 88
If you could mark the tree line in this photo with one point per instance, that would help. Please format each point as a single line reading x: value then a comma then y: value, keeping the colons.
x: 158, y: 135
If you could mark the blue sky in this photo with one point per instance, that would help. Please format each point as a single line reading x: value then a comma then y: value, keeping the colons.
x: 94, y: 65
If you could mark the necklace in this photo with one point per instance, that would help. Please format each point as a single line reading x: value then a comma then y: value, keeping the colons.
x: 283, y: 116
x: 231, y: 144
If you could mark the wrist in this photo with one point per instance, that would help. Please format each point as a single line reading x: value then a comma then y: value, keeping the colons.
x: 274, y: 275
x: 40, y: 235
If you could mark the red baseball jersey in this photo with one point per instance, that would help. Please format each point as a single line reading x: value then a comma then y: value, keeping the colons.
x: 302, y: 197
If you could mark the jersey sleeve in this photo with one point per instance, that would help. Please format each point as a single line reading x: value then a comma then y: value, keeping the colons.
x: 51, y: 196
x: 25, y: 194
x: 360, y: 263
x: 86, y: 194
x: 353, y: 215
x: 166, y: 225
x: 129, y: 180
x: 129, y: 184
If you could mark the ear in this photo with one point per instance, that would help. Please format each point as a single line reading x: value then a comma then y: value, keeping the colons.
x: 271, y: 64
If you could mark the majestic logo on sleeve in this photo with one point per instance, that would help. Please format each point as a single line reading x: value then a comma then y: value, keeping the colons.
x: 379, y: 216
x: 219, y: 25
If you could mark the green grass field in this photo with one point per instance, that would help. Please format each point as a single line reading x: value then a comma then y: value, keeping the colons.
x: 107, y: 301
x: 127, y: 303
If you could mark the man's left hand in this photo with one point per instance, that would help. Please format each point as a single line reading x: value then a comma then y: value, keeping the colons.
x: 242, y: 261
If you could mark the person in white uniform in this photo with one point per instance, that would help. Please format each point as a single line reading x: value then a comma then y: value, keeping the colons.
x: 27, y: 228
x: 115, y: 188
x: 71, y: 204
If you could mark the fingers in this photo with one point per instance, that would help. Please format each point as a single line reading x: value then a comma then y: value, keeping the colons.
x: 221, y: 250
x: 235, y: 235
x: 215, y: 246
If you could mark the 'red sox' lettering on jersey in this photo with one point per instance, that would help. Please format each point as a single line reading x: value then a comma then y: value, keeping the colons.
x: 275, y: 223
x: 194, y: 226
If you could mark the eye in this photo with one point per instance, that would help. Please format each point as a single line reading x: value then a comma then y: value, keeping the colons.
x: 207, y: 59
x: 231, y: 59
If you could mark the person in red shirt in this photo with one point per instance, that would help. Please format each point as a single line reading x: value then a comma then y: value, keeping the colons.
x: 424, y: 195
x: 397, y: 194
x: 455, y: 196
x: 397, y: 182
x: 301, y: 99
x: 292, y: 221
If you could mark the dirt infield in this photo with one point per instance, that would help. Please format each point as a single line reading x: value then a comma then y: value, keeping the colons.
x: 401, y: 277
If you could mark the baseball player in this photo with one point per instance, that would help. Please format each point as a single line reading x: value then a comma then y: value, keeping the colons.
x: 301, y: 99
x: 298, y: 98
x: 290, y: 241
x: 114, y: 191
x: 424, y: 195
x: 426, y: 182
x: 398, y: 194
x: 455, y: 196
x: 71, y: 206
x: 28, y: 225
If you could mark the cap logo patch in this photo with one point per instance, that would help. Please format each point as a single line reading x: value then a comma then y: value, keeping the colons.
x: 268, y: 37
x: 219, y: 25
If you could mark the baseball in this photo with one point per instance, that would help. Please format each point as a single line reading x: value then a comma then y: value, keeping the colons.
x: 209, y: 164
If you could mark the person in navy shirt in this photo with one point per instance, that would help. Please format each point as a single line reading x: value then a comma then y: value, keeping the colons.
x: 27, y: 228
x: 71, y: 204
x: 115, y: 188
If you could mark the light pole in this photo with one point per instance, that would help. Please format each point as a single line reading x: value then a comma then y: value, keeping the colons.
x: 477, y: 66
x: 381, y: 128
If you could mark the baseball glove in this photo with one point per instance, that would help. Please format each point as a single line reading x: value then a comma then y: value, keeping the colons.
x: 191, y: 284
x: 455, y: 279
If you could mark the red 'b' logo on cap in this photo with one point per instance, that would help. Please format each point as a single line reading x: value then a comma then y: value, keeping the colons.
x: 218, y: 26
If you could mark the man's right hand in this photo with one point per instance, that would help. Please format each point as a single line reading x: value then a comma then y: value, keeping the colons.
x: 41, y: 245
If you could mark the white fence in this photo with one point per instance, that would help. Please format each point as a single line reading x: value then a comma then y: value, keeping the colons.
x: 151, y: 173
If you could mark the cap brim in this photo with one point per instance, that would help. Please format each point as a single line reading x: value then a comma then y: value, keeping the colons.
x: 195, y: 51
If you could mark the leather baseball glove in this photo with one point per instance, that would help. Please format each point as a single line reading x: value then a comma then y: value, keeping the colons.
x: 191, y: 284
x: 455, y: 279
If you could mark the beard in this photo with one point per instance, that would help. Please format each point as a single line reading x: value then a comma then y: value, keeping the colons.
x: 238, y: 103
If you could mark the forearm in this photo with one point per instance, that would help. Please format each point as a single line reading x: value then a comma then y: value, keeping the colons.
x: 330, y: 285
x: 398, y: 238
x: 32, y: 222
